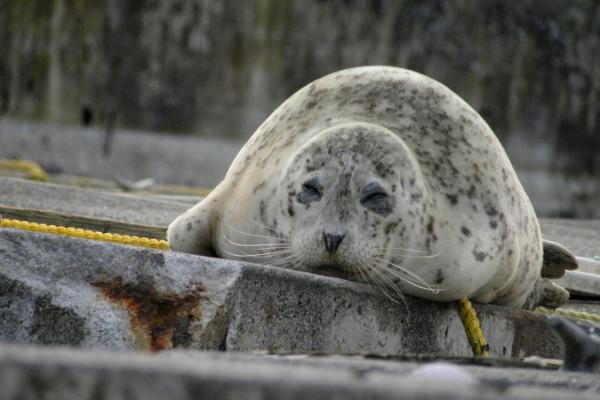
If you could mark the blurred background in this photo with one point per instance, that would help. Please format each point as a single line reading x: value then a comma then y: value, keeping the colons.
x: 82, y: 83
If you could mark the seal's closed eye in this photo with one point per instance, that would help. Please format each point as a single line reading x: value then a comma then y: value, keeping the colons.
x: 311, y: 191
x: 376, y: 199
x: 373, y: 192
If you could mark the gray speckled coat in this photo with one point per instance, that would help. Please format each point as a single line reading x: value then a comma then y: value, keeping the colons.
x: 385, y: 176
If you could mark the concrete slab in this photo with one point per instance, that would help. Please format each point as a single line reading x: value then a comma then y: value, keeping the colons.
x: 125, y: 208
x: 581, y: 237
x: 583, y: 282
x: 73, y: 374
x: 180, y: 159
x: 580, y: 283
x: 56, y: 290
x: 178, y: 193
x: 589, y: 265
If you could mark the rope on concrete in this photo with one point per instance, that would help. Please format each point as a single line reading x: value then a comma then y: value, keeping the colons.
x: 84, y: 234
x: 465, y: 308
x: 470, y: 321
x: 33, y: 170
x: 568, y: 314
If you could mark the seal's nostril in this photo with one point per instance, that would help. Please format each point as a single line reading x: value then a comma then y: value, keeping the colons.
x: 332, y: 241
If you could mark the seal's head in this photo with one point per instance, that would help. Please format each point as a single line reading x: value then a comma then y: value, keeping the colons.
x: 346, y: 200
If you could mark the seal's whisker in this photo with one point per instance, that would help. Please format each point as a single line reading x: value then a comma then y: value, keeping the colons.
x: 267, y: 227
x: 293, y: 262
x: 362, y: 274
x: 272, y: 253
x: 252, y: 234
x: 378, y: 278
x: 403, y: 249
x: 296, y: 264
x: 282, y: 245
x: 374, y: 280
x: 266, y: 246
x: 428, y: 255
x: 284, y: 260
x: 435, y: 289
x: 429, y: 287
x: 388, y: 281
x: 416, y: 255
x: 404, y: 278
x: 255, y: 235
x: 406, y: 271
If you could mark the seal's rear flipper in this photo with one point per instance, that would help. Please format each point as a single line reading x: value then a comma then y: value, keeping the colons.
x: 546, y: 293
x: 557, y: 259
x: 190, y: 232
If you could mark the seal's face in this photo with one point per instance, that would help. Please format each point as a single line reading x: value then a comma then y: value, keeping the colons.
x: 350, y: 196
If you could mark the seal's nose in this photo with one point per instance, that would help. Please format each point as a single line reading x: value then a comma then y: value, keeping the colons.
x: 332, y: 241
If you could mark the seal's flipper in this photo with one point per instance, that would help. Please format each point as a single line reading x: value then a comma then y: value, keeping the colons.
x: 190, y: 232
x: 557, y: 259
x: 546, y: 293
x: 582, y: 345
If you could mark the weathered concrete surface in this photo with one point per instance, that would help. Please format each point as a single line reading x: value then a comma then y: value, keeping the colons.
x: 56, y: 290
x: 184, y: 160
x: 581, y: 283
x: 585, y: 281
x: 126, y: 208
x: 581, y: 237
x: 589, y: 265
x: 72, y: 374
x: 85, y: 293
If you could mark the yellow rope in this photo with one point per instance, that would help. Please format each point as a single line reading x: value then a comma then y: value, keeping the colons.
x: 472, y: 328
x: 569, y: 314
x: 85, y: 234
x: 34, y: 171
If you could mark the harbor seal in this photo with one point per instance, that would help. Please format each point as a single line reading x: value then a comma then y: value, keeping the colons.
x: 380, y: 175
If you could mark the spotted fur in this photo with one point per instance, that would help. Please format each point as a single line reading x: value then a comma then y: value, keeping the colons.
x: 386, y: 159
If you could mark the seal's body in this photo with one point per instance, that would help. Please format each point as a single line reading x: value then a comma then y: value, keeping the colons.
x: 381, y: 175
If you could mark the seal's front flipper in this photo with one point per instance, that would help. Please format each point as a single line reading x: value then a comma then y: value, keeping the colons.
x: 557, y: 259
x: 582, y: 345
x: 190, y: 232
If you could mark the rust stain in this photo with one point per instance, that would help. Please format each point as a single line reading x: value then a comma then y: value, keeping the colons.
x: 156, y: 317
